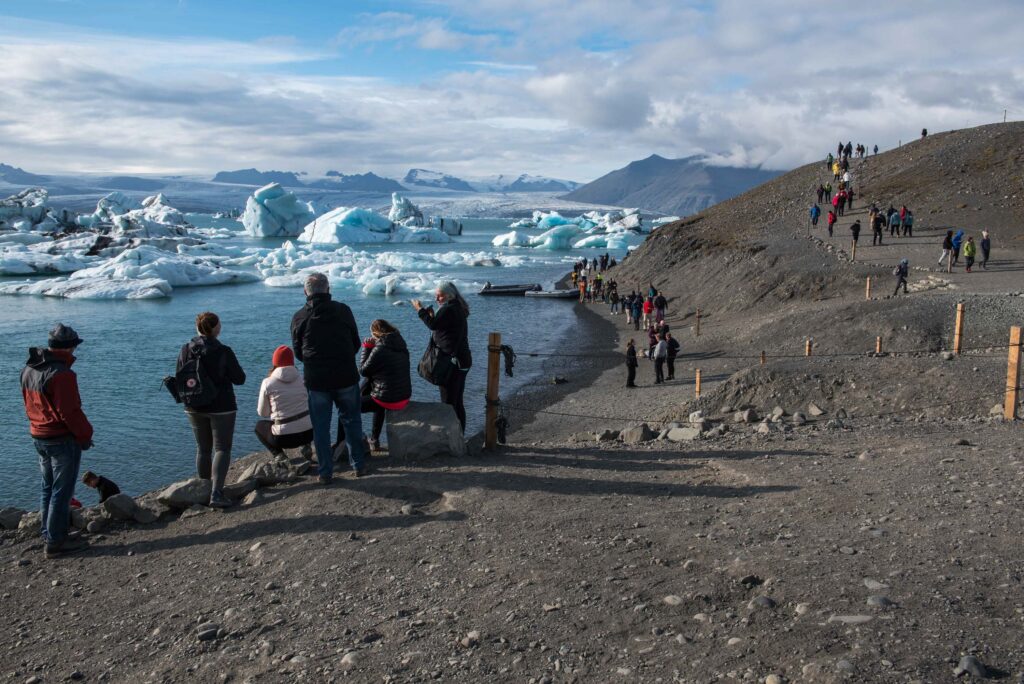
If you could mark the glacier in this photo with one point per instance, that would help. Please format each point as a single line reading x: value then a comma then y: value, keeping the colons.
x: 273, y: 211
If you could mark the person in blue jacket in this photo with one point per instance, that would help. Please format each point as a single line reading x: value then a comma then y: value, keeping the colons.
x: 815, y: 213
x: 957, y: 241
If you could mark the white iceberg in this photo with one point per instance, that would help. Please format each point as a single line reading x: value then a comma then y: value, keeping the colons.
x: 27, y: 212
x: 348, y: 225
x: 513, y: 239
x: 21, y: 260
x: 154, y: 218
x: 273, y: 211
x: 90, y: 288
x: 150, y: 263
x: 623, y: 240
x: 404, y: 211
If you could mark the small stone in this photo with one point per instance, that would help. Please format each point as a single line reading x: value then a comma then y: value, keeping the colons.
x: 350, y: 660
x: 689, y: 565
x: 683, y: 434
x: 972, y: 666
x: 778, y: 412
x: 761, y: 602
x: 850, y: 619
x: 471, y: 639
x: 252, y: 497
x: 773, y: 679
x: 961, y: 442
x: 672, y: 600
x: 815, y: 410
x: 255, y: 547
x: 96, y: 526
x: 874, y: 585
x: 696, y: 416
x: 748, y: 416
x: 208, y: 631
x: 270, y: 586
x: 847, y: 550
x: 551, y: 607
x: 408, y: 509
x: 638, y: 434
x: 844, y: 665
x: 624, y: 671
x: 802, y: 608
x: 879, y: 602
x: 734, y: 641
x: 608, y: 436
x: 948, y: 356
x: 764, y: 429
x: 751, y: 581
x: 798, y: 419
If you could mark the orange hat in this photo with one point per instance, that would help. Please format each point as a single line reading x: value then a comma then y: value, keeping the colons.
x: 283, y: 356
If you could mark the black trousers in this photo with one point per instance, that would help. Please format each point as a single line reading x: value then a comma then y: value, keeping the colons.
x: 367, y: 405
x: 630, y: 376
x: 901, y: 281
x: 659, y: 369
x: 277, y: 443
x: 451, y: 394
x: 671, y: 368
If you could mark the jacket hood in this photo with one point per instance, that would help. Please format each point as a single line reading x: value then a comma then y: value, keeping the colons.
x: 40, y: 356
x: 201, y: 345
x: 959, y: 234
x: 393, y: 341
x: 286, y: 374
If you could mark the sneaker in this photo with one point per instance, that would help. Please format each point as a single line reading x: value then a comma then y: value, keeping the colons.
x: 374, y: 445
x: 218, y: 500
x: 354, y: 474
x: 69, y: 545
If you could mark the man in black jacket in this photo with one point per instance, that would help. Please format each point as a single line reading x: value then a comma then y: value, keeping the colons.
x: 325, y: 339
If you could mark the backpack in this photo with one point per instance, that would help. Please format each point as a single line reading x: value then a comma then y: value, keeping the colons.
x: 195, y: 388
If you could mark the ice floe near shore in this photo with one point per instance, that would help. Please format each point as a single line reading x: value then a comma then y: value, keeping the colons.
x: 90, y: 288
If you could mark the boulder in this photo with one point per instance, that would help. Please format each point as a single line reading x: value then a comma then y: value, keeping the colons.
x: 187, y: 493
x: 748, y: 416
x: 799, y: 418
x: 120, y: 507
x: 683, y: 434
x: 145, y: 516
x: 425, y: 430
x: 608, y: 436
x: 638, y: 434
x: 815, y: 410
x: 764, y: 428
x: 31, y: 523
x: 10, y: 518
x: 696, y: 416
x: 240, y: 488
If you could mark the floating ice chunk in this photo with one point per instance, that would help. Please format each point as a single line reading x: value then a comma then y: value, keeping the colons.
x: 522, y: 223
x: 348, y: 225
x: 419, y: 235
x: 559, y: 237
x: 405, y: 212
x: 273, y: 211
x: 147, y: 263
x: 27, y: 211
x: 551, y: 220
x: 23, y: 239
x: 630, y: 222
x: 21, y: 260
x: 447, y: 225
x: 616, y: 240
x: 90, y: 288
x: 513, y: 239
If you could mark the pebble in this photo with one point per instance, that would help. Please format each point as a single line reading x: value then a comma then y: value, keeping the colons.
x: 408, y: 509
x: 874, y: 585
x: 550, y: 607
x: 270, y: 586
x: 672, y: 600
x: 851, y: 619
x: 972, y: 666
x: 761, y: 602
x: 734, y: 641
x: 34, y: 680
x: 350, y: 659
x: 208, y: 631
x: 471, y: 639
x: 773, y: 679
x: 803, y: 608
x: 847, y: 550
x: 845, y: 666
x: 879, y: 602
x: 690, y: 565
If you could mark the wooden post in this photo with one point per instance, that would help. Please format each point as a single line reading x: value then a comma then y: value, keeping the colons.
x: 764, y: 359
x: 698, y: 323
x: 867, y: 289
x: 958, y: 332
x: 696, y: 384
x: 1012, y: 375
x: 493, y: 378
x: 853, y: 255
x: 878, y: 345
x: 807, y: 347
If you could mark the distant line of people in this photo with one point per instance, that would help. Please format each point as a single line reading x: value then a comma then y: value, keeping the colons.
x: 294, y: 409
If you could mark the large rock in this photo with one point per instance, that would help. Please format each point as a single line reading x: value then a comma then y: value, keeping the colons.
x: 31, y: 523
x: 241, y: 488
x: 187, y: 493
x: 124, y: 507
x: 638, y: 434
x: 748, y: 416
x: 683, y: 434
x: 10, y: 518
x: 425, y: 430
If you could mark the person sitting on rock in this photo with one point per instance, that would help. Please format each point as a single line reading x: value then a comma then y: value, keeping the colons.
x: 284, y: 405
x: 384, y: 362
x: 102, y: 485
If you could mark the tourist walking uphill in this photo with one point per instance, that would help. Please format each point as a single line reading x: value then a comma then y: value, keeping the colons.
x: 325, y: 338
x: 206, y: 374
x: 60, y: 432
x: 284, y: 406
x: 631, y: 363
x: 448, y: 358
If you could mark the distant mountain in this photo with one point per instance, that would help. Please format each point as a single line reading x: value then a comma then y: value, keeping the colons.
x: 16, y: 176
x: 131, y: 183
x: 362, y: 182
x: 436, y: 179
x: 671, y: 186
x: 254, y: 177
x: 523, y: 183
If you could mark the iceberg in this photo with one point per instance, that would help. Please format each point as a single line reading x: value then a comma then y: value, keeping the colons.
x: 150, y: 263
x: 405, y: 212
x: 347, y: 225
x: 419, y: 235
x: 154, y: 218
x: 273, y: 211
x: 621, y: 240
x: 90, y: 288
x: 513, y: 239
x: 27, y: 212
x: 22, y: 260
x: 446, y: 225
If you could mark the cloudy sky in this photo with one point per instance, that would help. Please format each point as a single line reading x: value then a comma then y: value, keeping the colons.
x: 565, y: 88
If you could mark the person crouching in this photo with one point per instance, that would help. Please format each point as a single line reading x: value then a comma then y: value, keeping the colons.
x: 284, y: 405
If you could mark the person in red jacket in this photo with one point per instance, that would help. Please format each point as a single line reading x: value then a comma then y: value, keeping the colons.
x: 831, y: 221
x: 59, y: 430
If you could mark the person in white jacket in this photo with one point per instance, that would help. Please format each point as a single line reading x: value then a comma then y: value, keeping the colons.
x: 660, y: 356
x: 284, y: 406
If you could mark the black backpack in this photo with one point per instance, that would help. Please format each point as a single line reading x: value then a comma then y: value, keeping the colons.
x: 192, y: 383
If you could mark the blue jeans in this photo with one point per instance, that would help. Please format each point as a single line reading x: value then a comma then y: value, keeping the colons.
x: 348, y: 401
x: 58, y: 462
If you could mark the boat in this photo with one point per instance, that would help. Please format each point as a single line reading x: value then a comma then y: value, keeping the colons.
x: 508, y: 290
x: 554, y: 294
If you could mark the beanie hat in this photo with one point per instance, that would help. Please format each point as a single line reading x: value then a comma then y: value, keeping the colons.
x: 283, y: 356
x: 64, y: 337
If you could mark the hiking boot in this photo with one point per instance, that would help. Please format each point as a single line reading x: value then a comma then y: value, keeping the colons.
x: 361, y: 472
x: 324, y: 481
x: 218, y: 500
x: 67, y: 546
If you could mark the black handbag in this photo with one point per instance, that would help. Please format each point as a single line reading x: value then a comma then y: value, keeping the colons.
x: 436, y: 366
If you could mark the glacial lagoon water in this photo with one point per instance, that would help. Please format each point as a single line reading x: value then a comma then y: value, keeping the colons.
x: 142, y: 437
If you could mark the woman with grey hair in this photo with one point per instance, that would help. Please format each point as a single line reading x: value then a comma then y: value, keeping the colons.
x: 450, y: 334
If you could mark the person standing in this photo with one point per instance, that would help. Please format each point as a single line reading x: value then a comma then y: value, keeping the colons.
x: 449, y: 332
x: 212, y: 414
x: 855, y: 232
x: 815, y: 213
x: 908, y: 224
x: 648, y: 310
x: 828, y: 192
x: 660, y: 307
x: 325, y: 339
x: 60, y: 433
x: 958, y: 240
x: 821, y: 192
x: 901, y: 272
x: 660, y: 354
x: 970, y: 251
x: 637, y: 311
x: 283, y: 405
x: 831, y: 221
x: 894, y: 223
x: 986, y: 247
x: 947, y: 250
x: 876, y: 222
x: 631, y: 363
x: 876, y: 149
x: 673, y: 352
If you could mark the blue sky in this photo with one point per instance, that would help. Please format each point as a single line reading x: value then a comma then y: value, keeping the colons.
x: 565, y: 88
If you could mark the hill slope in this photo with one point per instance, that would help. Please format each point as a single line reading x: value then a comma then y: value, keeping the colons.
x: 671, y: 186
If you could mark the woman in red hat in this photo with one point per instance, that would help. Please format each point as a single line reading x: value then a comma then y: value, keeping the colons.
x: 284, y: 404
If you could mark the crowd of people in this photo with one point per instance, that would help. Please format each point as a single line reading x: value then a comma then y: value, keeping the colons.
x: 294, y: 409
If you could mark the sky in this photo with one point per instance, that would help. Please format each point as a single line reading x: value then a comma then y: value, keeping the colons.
x: 563, y: 88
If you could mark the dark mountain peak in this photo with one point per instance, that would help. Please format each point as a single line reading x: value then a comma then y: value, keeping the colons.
x: 16, y: 176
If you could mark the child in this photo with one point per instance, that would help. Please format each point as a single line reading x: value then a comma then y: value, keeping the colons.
x: 105, y: 487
